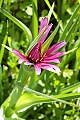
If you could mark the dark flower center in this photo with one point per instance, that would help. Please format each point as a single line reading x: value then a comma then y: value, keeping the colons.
x: 35, y: 55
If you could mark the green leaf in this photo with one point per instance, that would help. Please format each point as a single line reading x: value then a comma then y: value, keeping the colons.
x: 1, y: 1
x: 70, y: 88
x: 30, y: 97
x: 68, y: 36
x: 4, y: 117
x: 68, y: 96
x: 47, y: 43
x: 50, y: 12
x: 71, y: 50
x: 35, y: 18
x: 1, y: 87
x: 4, y: 42
x: 35, y: 41
x: 78, y: 54
x: 18, y: 22
x: 69, y: 23
x: 55, y: 15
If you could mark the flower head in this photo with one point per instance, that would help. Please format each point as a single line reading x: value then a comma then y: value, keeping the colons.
x: 42, y: 59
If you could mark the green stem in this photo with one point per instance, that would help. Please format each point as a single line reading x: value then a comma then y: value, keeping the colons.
x: 4, y: 42
x: 1, y: 88
x: 1, y: 1
x: 35, y: 19
x: 59, y: 8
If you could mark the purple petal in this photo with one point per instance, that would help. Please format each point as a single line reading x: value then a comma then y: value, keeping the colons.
x: 22, y: 58
x: 19, y: 54
x: 57, y: 60
x: 26, y: 62
x: 53, y: 56
x: 46, y: 33
x: 55, y: 47
x: 50, y: 67
x: 43, y: 23
x: 20, y: 61
x: 37, y: 69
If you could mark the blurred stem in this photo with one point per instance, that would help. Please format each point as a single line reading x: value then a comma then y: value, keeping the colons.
x: 69, y: 2
x: 4, y: 42
x: 1, y: 1
x: 35, y: 19
x: 1, y: 89
x: 59, y: 8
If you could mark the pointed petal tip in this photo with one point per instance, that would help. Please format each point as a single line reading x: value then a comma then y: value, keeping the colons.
x: 64, y: 42
x: 16, y: 52
x: 50, y: 25
x: 10, y: 49
x: 44, y: 18
x: 55, y: 47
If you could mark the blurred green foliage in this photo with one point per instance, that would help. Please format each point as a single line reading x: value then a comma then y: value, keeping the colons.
x: 47, y: 83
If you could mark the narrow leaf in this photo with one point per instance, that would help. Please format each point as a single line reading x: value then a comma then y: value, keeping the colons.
x: 47, y: 43
x: 35, y: 18
x: 1, y: 87
x: 70, y: 51
x: 1, y: 1
x: 68, y: 96
x: 69, y: 23
x: 17, y: 22
x: 50, y: 12
x: 70, y: 88
x: 55, y: 15
x: 68, y: 36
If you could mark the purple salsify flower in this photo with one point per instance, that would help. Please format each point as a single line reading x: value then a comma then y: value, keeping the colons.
x: 37, y: 58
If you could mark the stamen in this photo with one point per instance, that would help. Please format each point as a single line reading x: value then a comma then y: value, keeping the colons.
x: 41, y: 55
x: 29, y: 56
x: 32, y: 58
x: 41, y: 59
x: 44, y: 54
x: 37, y: 60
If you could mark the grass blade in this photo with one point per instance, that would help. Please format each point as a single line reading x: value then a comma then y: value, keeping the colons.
x: 69, y: 23
x: 4, y: 42
x: 35, y: 19
x: 70, y: 88
x: 18, y: 22
x: 47, y: 43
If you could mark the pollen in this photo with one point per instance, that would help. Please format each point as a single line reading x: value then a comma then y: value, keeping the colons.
x: 41, y: 59
x: 32, y: 58
x: 44, y: 54
x: 29, y: 56
x: 37, y: 60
